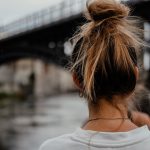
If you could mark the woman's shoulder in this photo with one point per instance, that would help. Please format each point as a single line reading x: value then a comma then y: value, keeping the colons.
x: 56, y: 143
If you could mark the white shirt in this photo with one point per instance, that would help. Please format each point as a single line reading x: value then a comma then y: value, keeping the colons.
x: 137, y: 139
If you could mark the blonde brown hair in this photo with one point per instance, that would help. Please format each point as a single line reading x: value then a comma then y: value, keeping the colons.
x: 104, y: 57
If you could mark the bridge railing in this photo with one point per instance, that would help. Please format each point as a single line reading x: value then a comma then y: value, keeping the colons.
x: 63, y: 10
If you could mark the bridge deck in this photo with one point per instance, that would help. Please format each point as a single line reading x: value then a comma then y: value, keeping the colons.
x: 49, y: 16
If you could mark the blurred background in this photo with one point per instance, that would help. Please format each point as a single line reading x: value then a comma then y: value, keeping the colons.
x: 38, y: 99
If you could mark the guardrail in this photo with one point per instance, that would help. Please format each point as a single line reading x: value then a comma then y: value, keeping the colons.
x: 63, y: 10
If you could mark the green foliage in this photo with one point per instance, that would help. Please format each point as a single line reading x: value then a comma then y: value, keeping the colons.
x: 7, y: 97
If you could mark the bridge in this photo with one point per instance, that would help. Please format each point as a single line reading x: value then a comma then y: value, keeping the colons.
x: 43, y: 34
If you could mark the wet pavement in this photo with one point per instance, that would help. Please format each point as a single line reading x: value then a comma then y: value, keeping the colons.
x: 24, y: 126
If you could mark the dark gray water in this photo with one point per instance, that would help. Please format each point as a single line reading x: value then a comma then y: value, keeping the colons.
x: 25, y: 125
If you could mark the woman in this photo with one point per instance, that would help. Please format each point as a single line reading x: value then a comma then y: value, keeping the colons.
x: 105, y: 69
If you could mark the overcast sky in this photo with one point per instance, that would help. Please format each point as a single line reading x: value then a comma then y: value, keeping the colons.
x: 13, y: 9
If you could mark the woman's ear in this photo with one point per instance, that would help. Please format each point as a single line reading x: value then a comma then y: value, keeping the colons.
x: 76, y: 80
x: 137, y: 73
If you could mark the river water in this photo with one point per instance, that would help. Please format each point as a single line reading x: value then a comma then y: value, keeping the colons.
x: 25, y: 125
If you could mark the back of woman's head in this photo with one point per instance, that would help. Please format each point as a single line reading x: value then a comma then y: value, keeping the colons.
x: 104, y: 57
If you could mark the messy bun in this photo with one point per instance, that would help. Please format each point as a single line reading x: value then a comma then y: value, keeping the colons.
x: 103, y: 9
x: 104, y: 57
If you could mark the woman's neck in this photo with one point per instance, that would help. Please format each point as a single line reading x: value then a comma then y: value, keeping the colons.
x: 109, y: 117
x: 107, y: 109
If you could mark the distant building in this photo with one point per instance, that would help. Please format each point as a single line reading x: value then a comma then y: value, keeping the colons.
x: 48, y: 78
